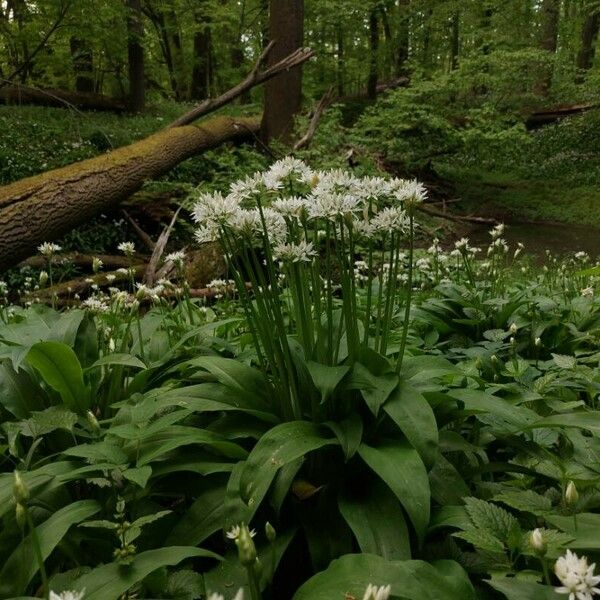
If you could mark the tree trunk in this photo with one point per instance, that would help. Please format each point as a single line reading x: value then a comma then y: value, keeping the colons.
x: 587, y: 50
x: 402, y: 52
x: 201, y: 70
x: 340, y: 59
x: 373, y: 53
x: 48, y: 205
x: 23, y: 94
x: 550, y: 13
x: 135, y: 51
x: 283, y: 95
x: 83, y: 65
x: 455, y: 41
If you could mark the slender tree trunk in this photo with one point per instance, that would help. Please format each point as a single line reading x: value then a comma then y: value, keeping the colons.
x: 340, y: 59
x: 158, y: 19
x: 550, y: 14
x: 426, y: 58
x: 403, y: 45
x: 201, y: 70
x: 373, y: 53
x: 176, y: 44
x: 283, y: 95
x: 135, y: 51
x: 83, y: 65
x: 455, y: 40
x: 587, y: 50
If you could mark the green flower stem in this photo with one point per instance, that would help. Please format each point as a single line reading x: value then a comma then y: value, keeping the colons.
x: 38, y: 552
x: 411, y: 249
x: 545, y: 570
x: 253, y: 584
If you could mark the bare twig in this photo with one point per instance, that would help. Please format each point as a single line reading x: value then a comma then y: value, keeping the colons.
x: 306, y: 139
x: 159, y: 248
x: 254, y: 78
x: 146, y: 239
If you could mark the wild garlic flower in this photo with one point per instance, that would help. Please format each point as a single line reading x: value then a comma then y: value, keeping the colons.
x: 245, y: 188
x: 330, y: 205
x: 176, y: 257
x: 462, y: 244
x: 408, y: 192
x: 587, y: 292
x: 286, y: 167
x: 48, y: 249
x: 127, y: 248
x: 374, y: 592
x: 153, y: 293
x: 392, y: 219
x: 67, y: 595
x: 216, y: 596
x: 97, y: 264
x: 301, y: 252
x: 236, y: 530
x: 292, y: 207
x: 214, y: 209
x: 497, y: 231
x: 577, y: 577
x: 94, y: 305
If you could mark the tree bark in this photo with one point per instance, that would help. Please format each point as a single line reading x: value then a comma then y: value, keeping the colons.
x: 48, y: 205
x: 373, y: 53
x: 201, y: 70
x: 455, y: 41
x: 135, y: 51
x: 283, y: 95
x: 23, y: 94
x: 402, y: 52
x: 587, y: 50
x: 83, y: 65
x: 550, y: 14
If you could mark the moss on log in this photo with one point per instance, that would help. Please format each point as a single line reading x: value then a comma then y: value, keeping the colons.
x: 48, y: 205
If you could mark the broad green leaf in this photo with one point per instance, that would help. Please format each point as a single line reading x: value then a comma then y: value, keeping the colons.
x: 125, y: 360
x: 516, y: 589
x: 109, y: 581
x: 325, y: 378
x: 18, y: 393
x: 401, y: 468
x: 349, y: 433
x: 46, y: 421
x: 585, y: 529
x: 564, y: 362
x: 281, y: 445
x: 139, y: 475
x: 204, y: 517
x: 21, y: 566
x: 525, y: 500
x: 60, y: 369
x: 375, y: 516
x: 375, y: 389
x: 409, y: 579
x: 414, y: 416
x: 584, y: 420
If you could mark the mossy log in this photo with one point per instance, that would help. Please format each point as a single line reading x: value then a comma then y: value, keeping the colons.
x: 48, y: 205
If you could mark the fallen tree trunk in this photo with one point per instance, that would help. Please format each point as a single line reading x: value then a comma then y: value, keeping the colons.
x: 546, y: 117
x: 48, y: 205
x: 23, y: 94
x: 43, y: 207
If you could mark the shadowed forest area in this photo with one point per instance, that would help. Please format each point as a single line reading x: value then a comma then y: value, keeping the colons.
x: 299, y: 299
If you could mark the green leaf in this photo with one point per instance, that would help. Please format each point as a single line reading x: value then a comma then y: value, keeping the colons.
x: 375, y: 389
x: 409, y: 580
x: 349, y: 433
x: 60, y: 369
x: 109, y: 581
x: 370, y: 515
x: 413, y: 415
x: 401, y: 468
x: 18, y: 393
x: 279, y: 446
x: 139, y: 475
x: 488, y: 517
x: 125, y: 360
x: 584, y: 420
x: 21, y: 566
x: 585, y: 529
x: 46, y: 421
x: 525, y: 500
x: 564, y: 362
x: 515, y: 589
x: 325, y: 378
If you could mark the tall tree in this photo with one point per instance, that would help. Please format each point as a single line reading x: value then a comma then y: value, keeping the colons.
x: 550, y: 15
x: 589, y: 36
x: 283, y: 95
x: 373, y: 51
x: 83, y: 64
x: 135, y: 52
x: 403, y: 44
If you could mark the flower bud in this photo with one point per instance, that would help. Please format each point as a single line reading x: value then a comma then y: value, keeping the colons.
x: 21, y: 515
x: 111, y: 344
x: 43, y: 278
x: 512, y: 341
x: 246, y: 548
x: 513, y: 328
x: 92, y: 421
x: 538, y: 342
x: 20, y: 491
x: 537, y: 542
x: 270, y: 532
x: 571, y: 494
x: 96, y: 264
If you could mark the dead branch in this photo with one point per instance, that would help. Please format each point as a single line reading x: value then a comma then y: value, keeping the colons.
x: 454, y: 217
x: 159, y: 248
x: 254, y: 78
x: 144, y: 237
x: 306, y: 139
x: 83, y: 260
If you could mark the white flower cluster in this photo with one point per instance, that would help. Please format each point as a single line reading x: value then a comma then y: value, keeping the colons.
x: 66, y: 595
x: 221, y: 287
x: 577, y: 577
x: 289, y: 193
x: 374, y: 592
x: 48, y: 249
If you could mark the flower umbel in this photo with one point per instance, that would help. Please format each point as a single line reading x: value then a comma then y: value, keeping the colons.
x: 374, y: 592
x: 68, y: 595
x: 577, y: 577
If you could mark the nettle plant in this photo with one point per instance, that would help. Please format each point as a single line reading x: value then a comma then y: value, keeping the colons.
x: 350, y: 437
